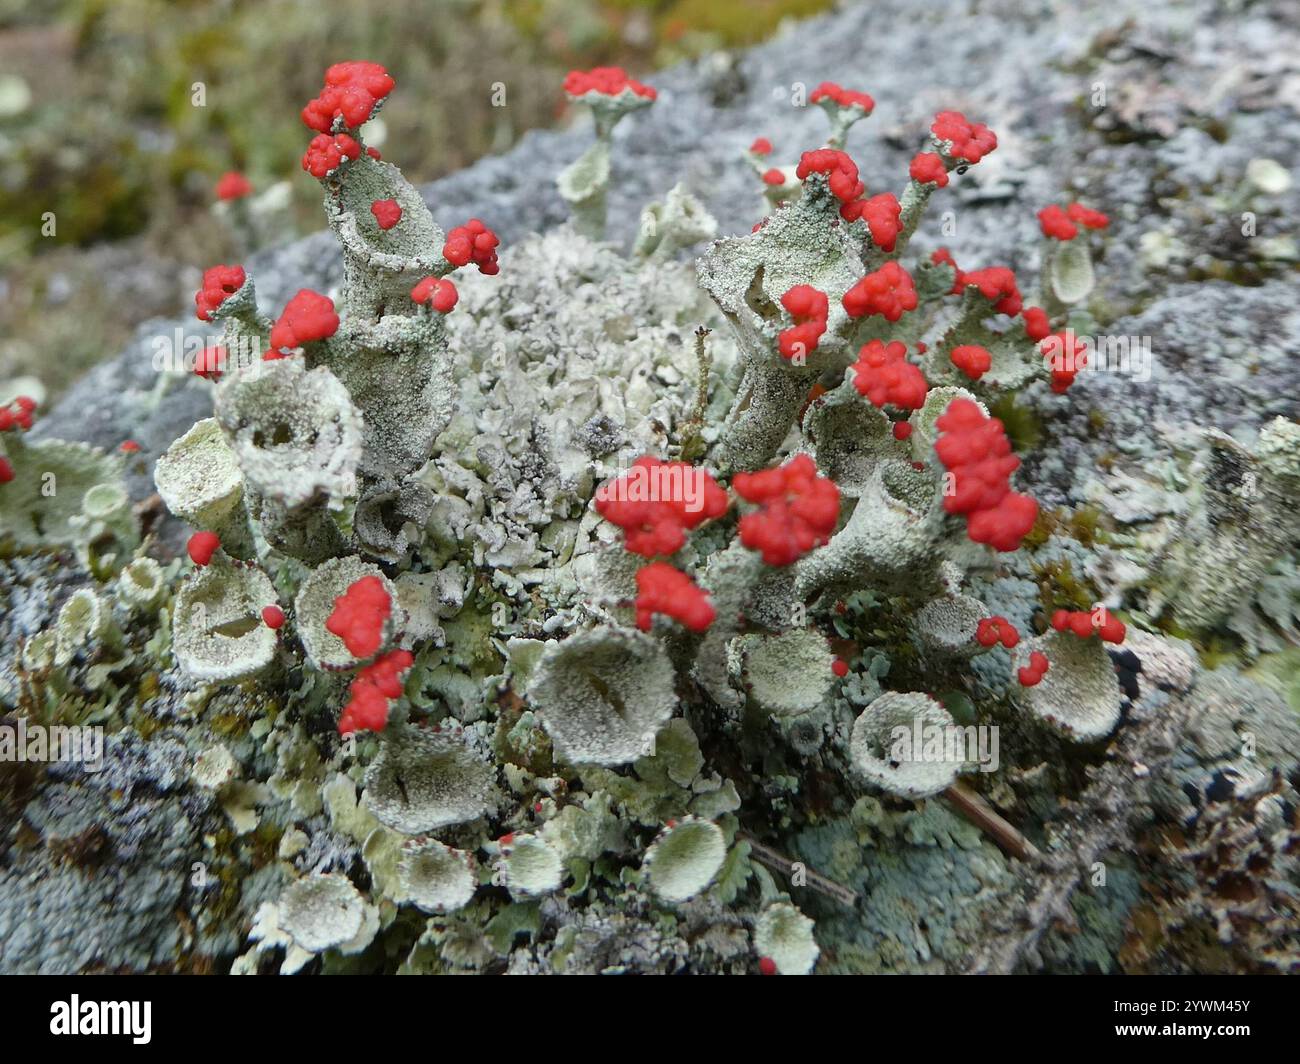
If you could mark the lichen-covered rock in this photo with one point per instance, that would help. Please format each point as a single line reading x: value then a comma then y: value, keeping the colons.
x: 503, y: 666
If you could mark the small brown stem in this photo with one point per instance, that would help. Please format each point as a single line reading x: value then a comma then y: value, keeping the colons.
x: 783, y: 866
x: 975, y: 809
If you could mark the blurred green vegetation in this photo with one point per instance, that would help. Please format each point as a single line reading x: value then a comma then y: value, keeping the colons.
x: 98, y: 124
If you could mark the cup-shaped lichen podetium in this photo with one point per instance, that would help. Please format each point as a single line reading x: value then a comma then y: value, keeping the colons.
x: 297, y: 439
x: 218, y: 634
x: 390, y: 353
x: 603, y: 694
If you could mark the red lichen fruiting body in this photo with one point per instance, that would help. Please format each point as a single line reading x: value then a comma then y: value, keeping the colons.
x: 272, y: 617
x: 233, y: 185
x: 387, y: 212
x: 829, y: 90
x: 210, y: 363
x: 975, y: 450
x: 972, y: 359
x: 306, y: 317
x: 883, y: 215
x: 799, y: 510
x: 1030, y: 674
x: 608, y: 81
x: 1067, y: 354
x: 370, y: 693
x: 359, y: 616
x: 1037, y: 324
x: 808, y: 307
x: 928, y: 168
x: 966, y: 140
x: 998, y: 285
x: 883, y: 374
x: 1055, y: 223
x: 325, y: 154
x: 202, y: 546
x: 351, y: 92
x: 472, y: 241
x: 991, y: 630
x: 1084, y: 623
x: 656, y: 502
x: 438, y: 293
x: 888, y: 291
x: 663, y: 589
x: 1086, y: 216
x: 840, y: 171
x: 219, y: 284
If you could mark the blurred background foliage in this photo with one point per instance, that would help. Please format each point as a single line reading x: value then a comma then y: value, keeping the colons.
x: 98, y: 125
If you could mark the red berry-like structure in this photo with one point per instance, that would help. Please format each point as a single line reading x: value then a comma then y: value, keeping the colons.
x: 306, y: 317
x: 829, y: 90
x: 1056, y: 224
x: 883, y: 374
x: 799, y: 510
x: 993, y: 630
x: 1083, y: 623
x: 211, y: 363
x: 1037, y: 325
x: 809, y: 307
x: 975, y: 450
x: 1066, y: 354
x: 475, y: 242
x: 219, y: 284
x: 371, y: 693
x: 1087, y: 217
x: 888, y: 291
x: 663, y: 589
x: 387, y: 213
x: 608, y: 81
x: 351, y: 93
x: 359, y: 616
x: 438, y: 293
x: 233, y: 185
x: 202, y: 546
x: 840, y: 171
x: 929, y: 169
x: 325, y: 154
x: 972, y: 359
x: 657, y: 502
x: 1029, y: 675
x: 970, y: 141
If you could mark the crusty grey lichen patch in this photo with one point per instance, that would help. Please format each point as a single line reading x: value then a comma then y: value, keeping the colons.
x: 785, y: 935
x: 435, y: 877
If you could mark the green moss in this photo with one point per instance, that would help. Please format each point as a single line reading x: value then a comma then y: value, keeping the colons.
x: 1060, y: 589
x: 1023, y: 426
